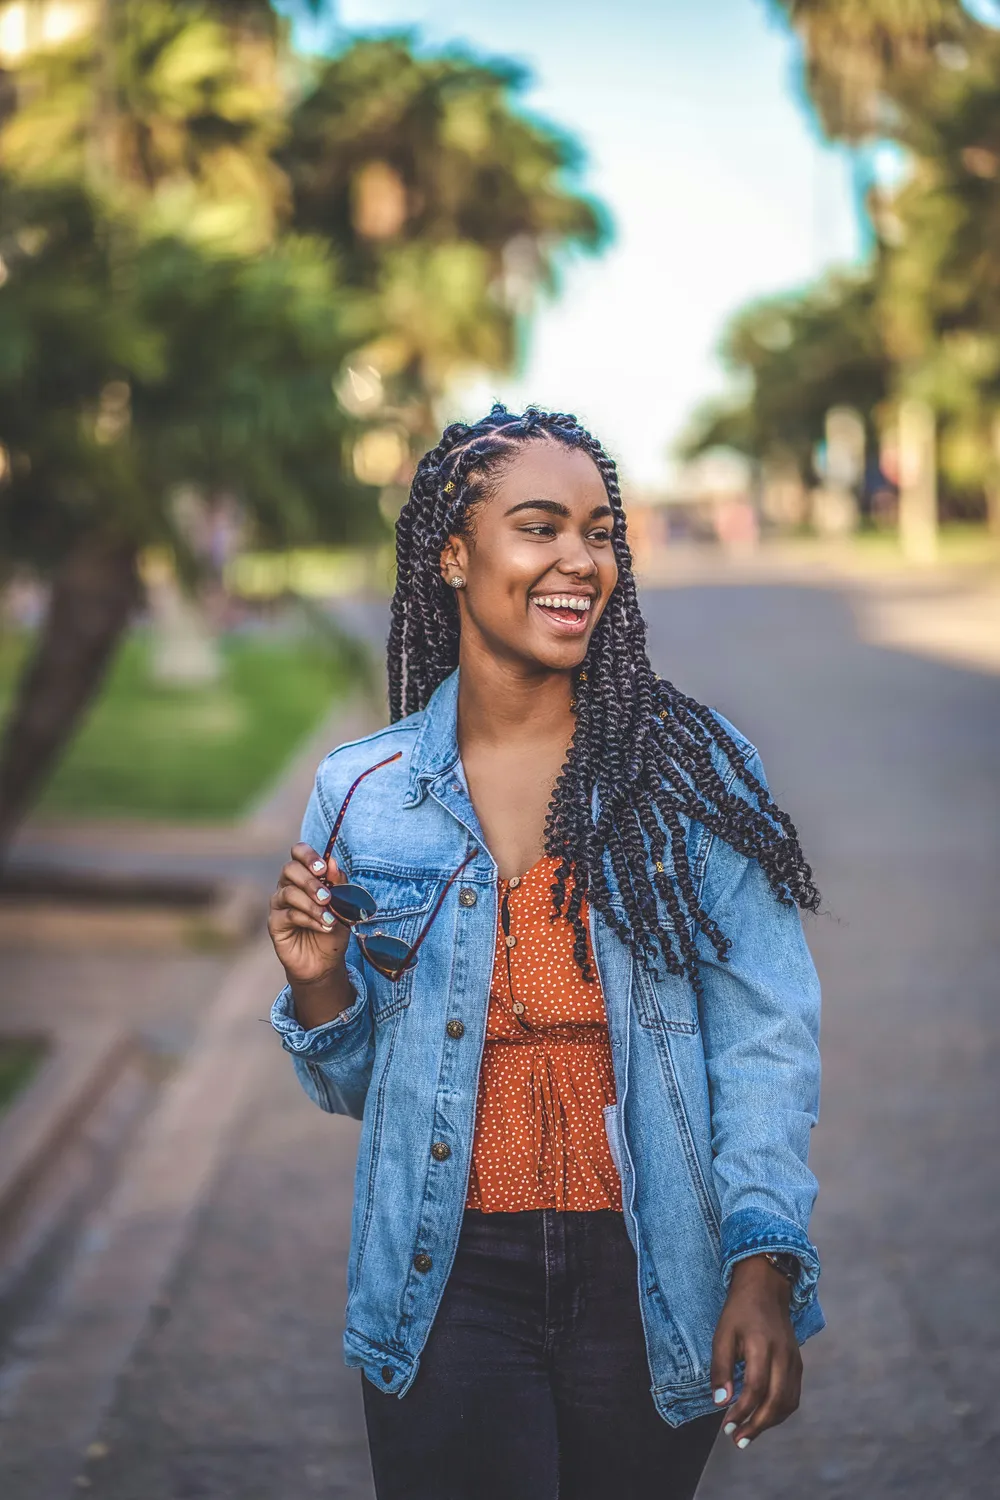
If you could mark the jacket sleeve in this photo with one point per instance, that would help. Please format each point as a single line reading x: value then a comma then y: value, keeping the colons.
x: 760, y: 1025
x: 333, y: 1061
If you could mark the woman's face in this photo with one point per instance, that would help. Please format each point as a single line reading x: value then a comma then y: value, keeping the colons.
x: 538, y: 563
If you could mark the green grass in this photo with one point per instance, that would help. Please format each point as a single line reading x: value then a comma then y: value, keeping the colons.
x: 958, y: 541
x: 149, y: 751
x: 19, y: 1061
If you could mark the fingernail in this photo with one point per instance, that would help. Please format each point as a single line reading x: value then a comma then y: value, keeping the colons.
x: 743, y: 1443
x: 318, y: 866
x: 720, y: 1395
x: 322, y: 894
x: 729, y: 1429
x: 329, y: 918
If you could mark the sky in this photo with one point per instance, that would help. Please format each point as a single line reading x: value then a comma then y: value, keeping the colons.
x: 718, y: 183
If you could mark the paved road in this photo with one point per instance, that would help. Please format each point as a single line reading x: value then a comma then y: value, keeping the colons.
x: 889, y: 764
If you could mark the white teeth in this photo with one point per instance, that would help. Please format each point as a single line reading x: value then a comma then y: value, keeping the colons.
x: 563, y: 601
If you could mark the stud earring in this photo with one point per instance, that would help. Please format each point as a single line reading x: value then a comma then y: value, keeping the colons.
x: 458, y: 582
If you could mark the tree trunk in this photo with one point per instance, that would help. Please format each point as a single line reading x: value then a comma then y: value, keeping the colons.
x: 93, y: 594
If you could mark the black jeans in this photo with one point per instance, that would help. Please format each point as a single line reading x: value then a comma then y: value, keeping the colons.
x: 534, y: 1382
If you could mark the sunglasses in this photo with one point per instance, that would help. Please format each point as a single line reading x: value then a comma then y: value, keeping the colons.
x: 351, y: 904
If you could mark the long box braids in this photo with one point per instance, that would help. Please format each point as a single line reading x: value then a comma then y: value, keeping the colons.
x: 643, y: 747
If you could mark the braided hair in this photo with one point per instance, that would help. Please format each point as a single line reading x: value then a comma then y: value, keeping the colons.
x: 643, y: 746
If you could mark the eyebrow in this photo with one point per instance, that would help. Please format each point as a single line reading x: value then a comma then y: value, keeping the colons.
x: 554, y: 508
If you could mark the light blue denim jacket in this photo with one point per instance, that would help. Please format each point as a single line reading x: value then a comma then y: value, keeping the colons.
x: 715, y: 1100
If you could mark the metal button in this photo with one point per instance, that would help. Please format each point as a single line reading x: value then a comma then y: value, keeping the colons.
x: 422, y: 1261
x: 514, y: 882
x: 387, y: 1374
x: 440, y: 1151
x: 456, y: 786
x: 518, y: 1007
x: 467, y: 896
x: 455, y: 1029
x: 510, y: 940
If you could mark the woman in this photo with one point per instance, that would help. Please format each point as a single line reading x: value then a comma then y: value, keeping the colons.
x: 540, y: 937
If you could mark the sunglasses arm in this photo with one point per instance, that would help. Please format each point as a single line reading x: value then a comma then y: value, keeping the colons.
x: 440, y: 902
x: 350, y: 793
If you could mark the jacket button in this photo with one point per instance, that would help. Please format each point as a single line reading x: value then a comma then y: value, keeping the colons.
x: 440, y: 1151
x: 466, y: 896
x: 387, y: 1374
x: 422, y: 1261
x: 455, y: 1029
x: 510, y: 940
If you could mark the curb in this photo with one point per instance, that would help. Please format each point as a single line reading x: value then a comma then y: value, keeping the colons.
x: 84, y: 1062
x: 124, y: 1268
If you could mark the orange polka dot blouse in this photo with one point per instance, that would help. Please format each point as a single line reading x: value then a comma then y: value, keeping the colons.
x: 546, y: 1075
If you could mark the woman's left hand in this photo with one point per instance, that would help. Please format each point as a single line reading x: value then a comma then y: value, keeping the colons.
x: 755, y: 1326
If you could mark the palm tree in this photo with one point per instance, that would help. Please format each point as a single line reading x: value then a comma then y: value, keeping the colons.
x: 188, y: 273
x: 799, y: 354
x: 157, y: 327
x: 449, y: 208
x: 856, y: 51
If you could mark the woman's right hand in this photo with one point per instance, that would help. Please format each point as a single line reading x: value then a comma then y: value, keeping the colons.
x: 309, y: 940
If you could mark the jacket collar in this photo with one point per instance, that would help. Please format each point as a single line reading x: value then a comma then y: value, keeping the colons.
x: 435, y: 749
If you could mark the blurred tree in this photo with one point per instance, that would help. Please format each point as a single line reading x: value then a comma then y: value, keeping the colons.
x: 156, y: 329
x: 922, y: 322
x: 449, y: 208
x: 796, y: 356
x: 940, y: 266
x: 128, y: 368
x: 189, y: 267
x: 857, y: 52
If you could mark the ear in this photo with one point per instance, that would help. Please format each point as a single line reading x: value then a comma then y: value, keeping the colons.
x: 454, y: 558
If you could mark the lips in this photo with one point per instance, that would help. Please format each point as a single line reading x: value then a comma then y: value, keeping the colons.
x: 567, y: 613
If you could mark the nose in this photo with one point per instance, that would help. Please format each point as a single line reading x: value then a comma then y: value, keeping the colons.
x: 575, y: 559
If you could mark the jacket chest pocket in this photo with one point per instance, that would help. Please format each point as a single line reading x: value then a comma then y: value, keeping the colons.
x: 665, y: 1003
x: 403, y: 904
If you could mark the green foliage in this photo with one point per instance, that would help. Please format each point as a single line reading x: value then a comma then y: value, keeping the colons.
x: 20, y: 1059
x: 200, y: 238
x: 856, y: 52
x: 150, y: 751
x: 188, y: 263
x: 797, y: 355
x: 131, y: 364
x: 448, y: 205
x: 924, y: 318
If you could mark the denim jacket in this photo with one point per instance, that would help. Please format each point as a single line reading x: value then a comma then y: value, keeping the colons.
x: 716, y: 1098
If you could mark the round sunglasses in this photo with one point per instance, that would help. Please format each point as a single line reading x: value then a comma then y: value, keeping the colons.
x: 352, y: 904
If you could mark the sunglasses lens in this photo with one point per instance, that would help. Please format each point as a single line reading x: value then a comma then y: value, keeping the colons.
x: 352, y: 902
x: 387, y: 954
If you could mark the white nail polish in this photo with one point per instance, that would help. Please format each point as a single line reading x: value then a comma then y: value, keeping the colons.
x: 322, y: 894
x: 329, y: 918
x: 318, y: 866
x: 729, y: 1429
x: 719, y: 1396
x: 743, y: 1443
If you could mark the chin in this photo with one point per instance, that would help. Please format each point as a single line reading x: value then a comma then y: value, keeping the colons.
x: 561, y: 658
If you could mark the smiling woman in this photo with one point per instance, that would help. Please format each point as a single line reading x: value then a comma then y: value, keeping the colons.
x: 601, y: 1074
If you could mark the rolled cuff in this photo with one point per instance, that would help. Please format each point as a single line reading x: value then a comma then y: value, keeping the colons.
x: 752, y: 1231
x: 343, y: 1034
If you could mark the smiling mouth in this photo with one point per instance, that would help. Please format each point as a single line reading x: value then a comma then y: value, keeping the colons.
x: 569, y: 612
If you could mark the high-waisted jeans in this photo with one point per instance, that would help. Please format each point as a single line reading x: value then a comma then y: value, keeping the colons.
x: 534, y: 1383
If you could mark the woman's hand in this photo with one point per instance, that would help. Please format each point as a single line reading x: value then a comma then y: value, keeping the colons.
x: 755, y: 1326
x: 309, y: 940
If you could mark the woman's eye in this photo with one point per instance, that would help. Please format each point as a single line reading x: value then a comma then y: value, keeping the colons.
x: 540, y: 528
x: 602, y: 534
